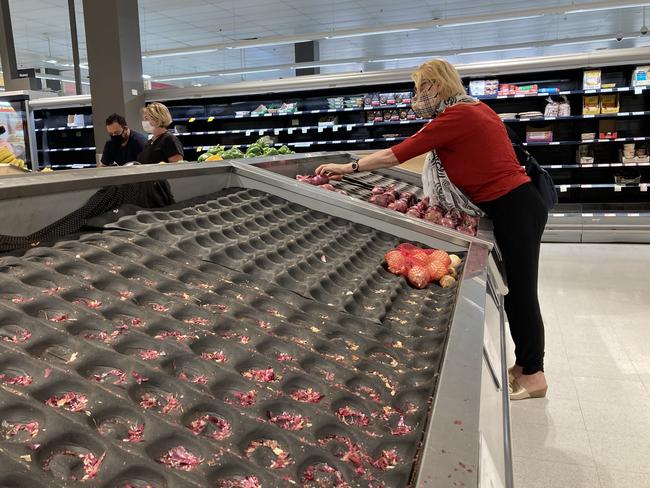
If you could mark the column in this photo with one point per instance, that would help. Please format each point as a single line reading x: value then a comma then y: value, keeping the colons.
x: 12, y: 79
x: 115, y: 62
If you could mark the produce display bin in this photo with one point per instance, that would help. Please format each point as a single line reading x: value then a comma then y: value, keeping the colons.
x: 248, y: 334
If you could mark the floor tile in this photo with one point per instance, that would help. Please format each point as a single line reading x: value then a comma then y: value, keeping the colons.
x: 622, y: 392
x: 614, y: 478
x: 556, y: 412
x: 551, y: 443
x: 621, y: 452
x: 561, y: 386
x: 633, y: 419
x: 533, y: 473
x: 603, y: 367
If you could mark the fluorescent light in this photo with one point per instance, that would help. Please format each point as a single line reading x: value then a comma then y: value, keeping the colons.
x: 364, y: 34
x: 179, y: 78
x: 490, y: 21
x: 247, y: 72
x: 52, y: 61
x: 146, y: 77
x: 324, y: 64
x: 266, y: 44
x: 613, y: 7
x: 180, y: 53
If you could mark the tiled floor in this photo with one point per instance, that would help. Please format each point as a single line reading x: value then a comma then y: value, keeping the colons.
x: 593, y: 429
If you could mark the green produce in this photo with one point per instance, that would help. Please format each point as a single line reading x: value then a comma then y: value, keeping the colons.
x: 203, y: 157
x: 265, y: 141
x: 271, y: 151
x: 216, y: 149
x: 285, y: 150
x: 254, y: 151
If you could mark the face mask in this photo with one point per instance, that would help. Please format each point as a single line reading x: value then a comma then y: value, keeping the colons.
x: 119, y: 138
x: 425, y: 105
x: 147, y: 127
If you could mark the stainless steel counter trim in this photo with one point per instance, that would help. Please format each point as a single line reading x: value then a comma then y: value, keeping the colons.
x: 452, y: 436
x: 45, y: 183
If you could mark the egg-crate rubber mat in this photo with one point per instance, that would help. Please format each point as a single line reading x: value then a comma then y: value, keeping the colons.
x: 237, y: 341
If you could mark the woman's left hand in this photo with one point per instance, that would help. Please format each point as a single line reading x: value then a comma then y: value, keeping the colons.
x: 334, y: 171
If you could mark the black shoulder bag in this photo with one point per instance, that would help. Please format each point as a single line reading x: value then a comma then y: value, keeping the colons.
x: 540, y: 178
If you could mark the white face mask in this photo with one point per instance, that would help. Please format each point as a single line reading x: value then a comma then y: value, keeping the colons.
x: 147, y: 127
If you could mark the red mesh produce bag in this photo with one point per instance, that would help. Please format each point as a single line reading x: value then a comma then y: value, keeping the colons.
x: 419, y: 276
x: 437, y: 270
x: 442, y: 256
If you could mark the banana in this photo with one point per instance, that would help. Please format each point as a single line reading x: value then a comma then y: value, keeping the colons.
x: 6, y: 155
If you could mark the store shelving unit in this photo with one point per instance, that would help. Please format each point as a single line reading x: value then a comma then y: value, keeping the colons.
x: 315, y: 126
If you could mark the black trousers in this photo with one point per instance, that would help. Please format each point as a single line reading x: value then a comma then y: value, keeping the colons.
x: 519, y: 219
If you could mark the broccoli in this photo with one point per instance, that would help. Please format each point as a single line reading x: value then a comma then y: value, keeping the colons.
x: 284, y: 150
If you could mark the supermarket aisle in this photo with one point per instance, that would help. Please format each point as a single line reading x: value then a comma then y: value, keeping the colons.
x: 593, y: 430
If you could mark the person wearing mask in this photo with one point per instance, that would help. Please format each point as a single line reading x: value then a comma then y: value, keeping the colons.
x: 472, y: 164
x: 124, y: 144
x: 163, y: 145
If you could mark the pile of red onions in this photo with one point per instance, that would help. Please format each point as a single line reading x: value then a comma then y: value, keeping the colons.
x: 407, y: 203
x: 320, y: 180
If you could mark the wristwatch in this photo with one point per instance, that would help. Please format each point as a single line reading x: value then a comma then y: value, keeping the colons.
x: 355, y: 165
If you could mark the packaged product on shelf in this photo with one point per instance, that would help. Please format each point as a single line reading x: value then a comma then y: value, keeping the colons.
x: 260, y: 110
x: 335, y: 103
x: 354, y: 102
x: 367, y: 100
x: 590, y: 105
x: 627, y: 177
x: 641, y: 76
x: 288, y: 108
x: 376, y: 101
x: 551, y: 90
x: 565, y: 107
x: 407, y: 97
x: 399, y: 98
x: 552, y: 108
x: 483, y: 87
x: 526, y: 90
x: 507, y: 89
x: 607, y: 129
x: 530, y: 115
x: 379, y: 116
x: 387, y: 115
x: 390, y: 98
x: 328, y: 121
x: 591, y: 79
x: 76, y: 120
x: 587, y: 136
x: 371, y: 116
x: 542, y: 134
x: 403, y: 114
x: 507, y: 115
x: 242, y: 113
x: 394, y: 115
x: 411, y: 115
x: 609, y: 104
x: 585, y: 154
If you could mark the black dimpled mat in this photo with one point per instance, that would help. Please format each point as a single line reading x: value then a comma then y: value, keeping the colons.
x: 237, y: 341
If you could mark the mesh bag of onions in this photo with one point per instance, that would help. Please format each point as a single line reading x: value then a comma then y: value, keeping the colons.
x: 423, y: 266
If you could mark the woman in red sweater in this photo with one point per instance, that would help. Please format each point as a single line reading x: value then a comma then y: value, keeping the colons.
x: 472, y: 145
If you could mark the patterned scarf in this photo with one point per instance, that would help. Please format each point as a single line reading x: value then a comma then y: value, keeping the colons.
x: 437, y: 186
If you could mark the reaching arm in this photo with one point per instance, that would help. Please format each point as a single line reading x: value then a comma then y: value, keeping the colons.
x: 380, y: 159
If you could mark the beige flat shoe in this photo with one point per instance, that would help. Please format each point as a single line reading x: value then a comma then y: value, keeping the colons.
x: 518, y: 392
x: 511, y: 377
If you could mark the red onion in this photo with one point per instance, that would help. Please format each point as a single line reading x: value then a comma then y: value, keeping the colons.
x: 377, y: 190
x: 447, y: 222
x: 319, y: 180
x: 414, y: 212
x: 328, y: 187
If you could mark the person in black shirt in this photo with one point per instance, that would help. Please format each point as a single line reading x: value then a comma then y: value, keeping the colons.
x: 124, y: 145
x: 163, y: 147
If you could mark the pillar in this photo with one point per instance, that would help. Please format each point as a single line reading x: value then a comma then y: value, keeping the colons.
x: 115, y: 62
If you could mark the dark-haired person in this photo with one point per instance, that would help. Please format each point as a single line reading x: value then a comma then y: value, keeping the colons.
x: 124, y: 144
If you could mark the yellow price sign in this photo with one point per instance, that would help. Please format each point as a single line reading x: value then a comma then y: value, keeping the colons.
x: 199, y: 149
x: 210, y: 119
x: 192, y: 120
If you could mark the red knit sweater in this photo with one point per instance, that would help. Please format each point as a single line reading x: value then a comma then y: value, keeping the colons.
x: 475, y: 150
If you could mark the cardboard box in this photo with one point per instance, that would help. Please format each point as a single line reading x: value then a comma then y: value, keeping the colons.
x: 591, y: 79
x: 609, y: 104
x: 590, y: 105
x: 542, y: 134
x: 607, y: 129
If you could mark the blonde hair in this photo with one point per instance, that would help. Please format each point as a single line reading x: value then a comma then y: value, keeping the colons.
x: 443, y: 75
x: 158, y: 114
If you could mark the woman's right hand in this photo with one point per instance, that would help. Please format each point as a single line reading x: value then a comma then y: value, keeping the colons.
x: 334, y: 171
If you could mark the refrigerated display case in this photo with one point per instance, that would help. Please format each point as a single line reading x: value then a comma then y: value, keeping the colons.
x: 261, y: 305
